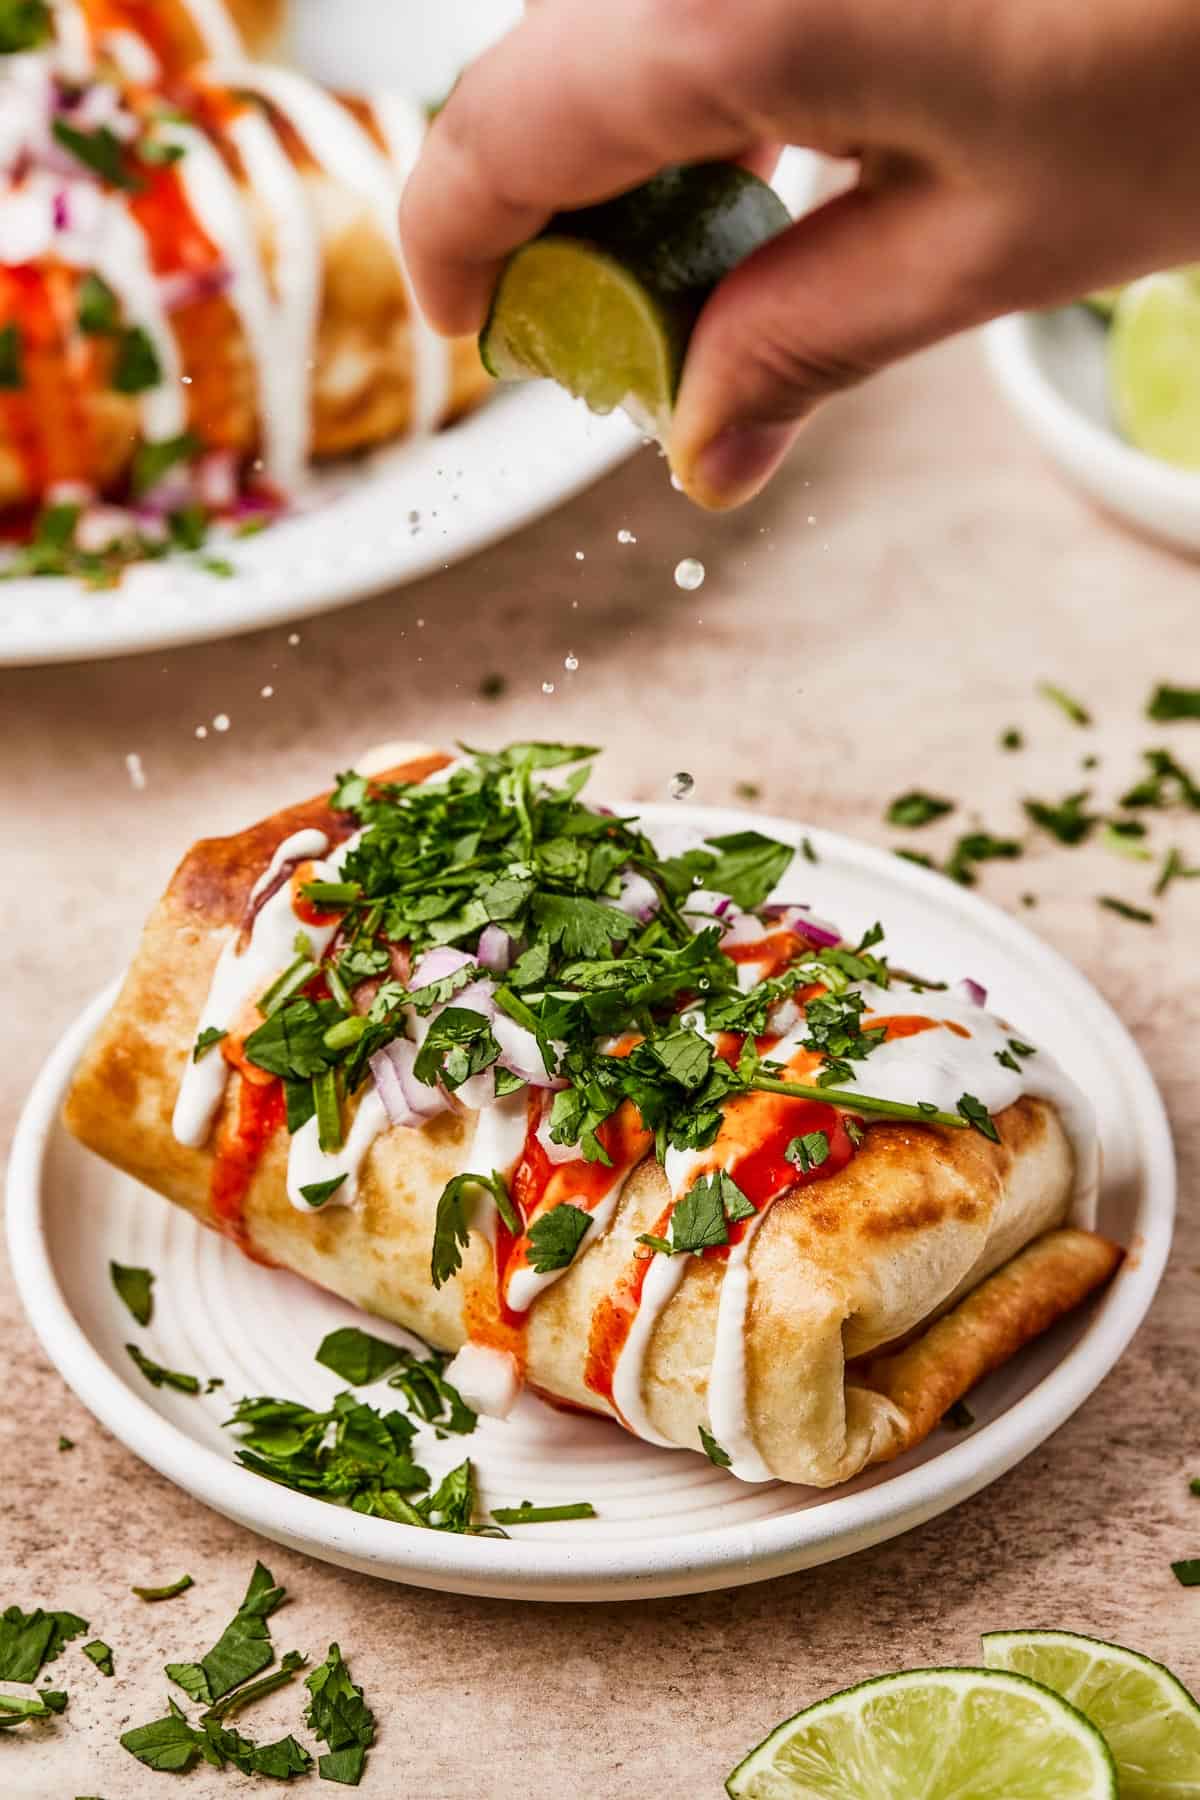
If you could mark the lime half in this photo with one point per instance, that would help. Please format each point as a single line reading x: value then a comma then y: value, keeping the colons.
x: 1154, y: 367
x: 936, y: 1734
x: 1150, y: 1721
x: 604, y: 301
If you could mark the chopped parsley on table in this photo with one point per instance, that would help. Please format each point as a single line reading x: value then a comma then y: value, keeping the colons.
x: 134, y: 1286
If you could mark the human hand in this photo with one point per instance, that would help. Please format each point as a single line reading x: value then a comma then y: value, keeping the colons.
x: 1013, y: 153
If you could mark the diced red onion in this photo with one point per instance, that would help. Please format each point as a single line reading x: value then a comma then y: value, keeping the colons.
x: 521, y: 1054
x: 495, y: 948
x: 435, y: 965
x: 795, y: 917
x: 406, y: 1100
x: 722, y: 907
x: 974, y: 991
x: 62, y: 211
x: 638, y: 897
x: 216, y: 480
x: 555, y: 1153
x: 187, y: 286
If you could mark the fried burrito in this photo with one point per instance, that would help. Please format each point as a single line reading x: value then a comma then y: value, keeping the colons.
x: 617, y: 1124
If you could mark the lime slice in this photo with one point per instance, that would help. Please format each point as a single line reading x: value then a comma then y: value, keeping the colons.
x: 604, y: 301
x: 1154, y: 367
x: 1150, y: 1721
x: 932, y: 1734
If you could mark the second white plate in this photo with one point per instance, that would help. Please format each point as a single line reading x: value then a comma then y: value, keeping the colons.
x: 668, y: 1523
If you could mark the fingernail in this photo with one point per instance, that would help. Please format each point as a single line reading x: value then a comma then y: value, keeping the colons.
x: 738, y: 462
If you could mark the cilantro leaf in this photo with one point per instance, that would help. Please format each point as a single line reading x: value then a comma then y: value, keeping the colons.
x: 977, y: 1115
x: 15, y: 1709
x: 98, y: 310
x: 975, y: 847
x: 457, y: 1045
x: 748, y: 867
x: 210, y: 1036
x: 291, y: 1042
x: 1066, y: 703
x: 1187, y: 1572
x: 242, y: 1697
x: 698, y: 1221
x: 24, y: 24
x: 357, y: 1356
x: 555, y: 1237
x: 168, y: 1746
x: 12, y: 358
x: 718, y: 1457
x: 1125, y: 911
x: 916, y: 808
x: 685, y: 1055
x: 158, y: 1376
x: 1173, y: 869
x: 134, y: 1286
x: 1067, y: 821
x: 809, y: 1151
x: 101, y: 1655
x: 137, y: 367
x: 100, y: 150
x: 243, y: 1648
x: 434, y: 1399
x: 340, y: 1718
x: 581, y: 927
x: 1170, y: 703
x: 28, y: 1641
x: 451, y: 1230
x: 153, y: 460
x: 318, y: 1192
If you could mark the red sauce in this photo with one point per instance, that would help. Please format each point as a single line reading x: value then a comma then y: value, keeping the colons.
x: 44, y: 421
x: 776, y: 950
x: 613, y: 1318
x: 244, y: 1135
x: 906, y: 1025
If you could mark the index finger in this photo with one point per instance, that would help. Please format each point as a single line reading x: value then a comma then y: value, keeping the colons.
x: 573, y: 106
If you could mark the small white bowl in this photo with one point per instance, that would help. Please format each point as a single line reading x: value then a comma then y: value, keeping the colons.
x: 1051, y: 368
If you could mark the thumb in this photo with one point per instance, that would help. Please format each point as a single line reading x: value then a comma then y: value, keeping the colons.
x: 869, y: 277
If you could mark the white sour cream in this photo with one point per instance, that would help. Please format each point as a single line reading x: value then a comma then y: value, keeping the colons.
x: 309, y: 1164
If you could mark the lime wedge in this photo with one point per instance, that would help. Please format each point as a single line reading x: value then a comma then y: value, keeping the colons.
x: 604, y: 301
x: 1150, y: 1721
x: 1154, y: 367
x: 932, y: 1734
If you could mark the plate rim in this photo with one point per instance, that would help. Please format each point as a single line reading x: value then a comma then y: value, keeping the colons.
x: 724, y: 1556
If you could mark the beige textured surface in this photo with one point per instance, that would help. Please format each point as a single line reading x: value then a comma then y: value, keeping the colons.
x: 884, y: 644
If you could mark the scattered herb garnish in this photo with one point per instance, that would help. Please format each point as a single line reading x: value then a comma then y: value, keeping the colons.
x: 101, y: 151
x: 1170, y: 703
x: 1166, y: 783
x: 98, y: 310
x: 718, y: 1457
x: 134, y: 1286
x: 958, y: 1417
x: 154, y: 460
x: 341, y: 1718
x: 357, y: 1356
x: 1173, y: 869
x: 318, y: 1192
x: 1068, y: 821
x: 101, y: 1655
x: 556, y: 1235
x: 528, y: 1514
x: 1125, y: 911
x: 975, y: 847
x: 1074, y: 709
x: 917, y: 808
x: 1187, y: 1573
x: 158, y: 1377
x: 168, y: 1592
x: 210, y: 1036
x: 1124, y: 837
x: 12, y: 358
x: 24, y: 24
x: 28, y: 1641
x: 65, y: 1443
x: 15, y: 1709
x: 978, y: 1117
x: 136, y: 367
x: 243, y: 1648
x: 1012, y: 739
x: 747, y: 790
x: 492, y: 686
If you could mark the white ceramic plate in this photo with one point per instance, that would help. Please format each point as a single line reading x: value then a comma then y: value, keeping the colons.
x: 668, y: 1521
x: 405, y: 510
x: 1051, y: 368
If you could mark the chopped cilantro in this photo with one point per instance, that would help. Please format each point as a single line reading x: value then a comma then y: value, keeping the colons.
x: 809, y: 1151
x: 340, y: 1718
x: 101, y: 151
x: 1124, y: 838
x: 101, y: 1655
x: 97, y: 308
x: 168, y: 1745
x: 491, y: 687
x: 134, y: 1286
x: 154, y: 460
x: 158, y: 1377
x: 451, y: 1228
x: 747, y: 790
x: 528, y: 1514
x: 167, y: 1592
x: 24, y: 24
x: 721, y: 1459
x: 1187, y: 1573
x: 137, y: 367
x: 243, y: 1648
x: 975, y: 847
x: 457, y: 1045
x: 959, y: 1417
x: 1173, y: 869
x: 808, y: 851
x: 65, y: 1443
x: 1012, y: 739
x: 917, y: 808
x: 555, y: 1237
x: 748, y: 866
x: 1068, y: 821
x: 1170, y: 703
x: 702, y: 1218
x: 357, y: 1356
x: 28, y: 1641
x: 1166, y: 783
x: 977, y: 1116
x: 1125, y: 911
x: 15, y: 1709
x: 430, y: 1396
x: 239, y: 1698
x: 1066, y: 703
x: 12, y: 358
x: 318, y: 1192
x: 210, y: 1036
x: 922, y: 859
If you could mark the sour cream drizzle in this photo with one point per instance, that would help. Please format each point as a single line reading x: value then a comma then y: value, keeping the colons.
x: 341, y: 146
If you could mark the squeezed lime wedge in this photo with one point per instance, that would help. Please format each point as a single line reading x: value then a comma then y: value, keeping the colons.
x: 604, y: 300
x: 940, y: 1734
x: 1154, y: 366
x: 1149, y: 1720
